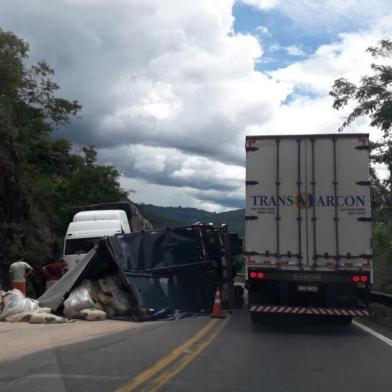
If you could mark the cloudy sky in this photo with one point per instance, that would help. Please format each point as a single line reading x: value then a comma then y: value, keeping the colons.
x: 170, y: 88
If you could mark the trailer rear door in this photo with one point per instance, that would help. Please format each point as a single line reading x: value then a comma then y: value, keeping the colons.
x: 308, y: 201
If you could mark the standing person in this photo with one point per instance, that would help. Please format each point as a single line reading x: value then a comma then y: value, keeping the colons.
x: 19, y: 271
x: 53, y: 272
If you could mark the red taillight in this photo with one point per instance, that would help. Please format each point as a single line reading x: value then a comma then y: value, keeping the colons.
x: 256, y: 275
x: 360, y: 278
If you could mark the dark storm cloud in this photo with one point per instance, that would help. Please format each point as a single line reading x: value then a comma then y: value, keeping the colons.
x: 153, y: 73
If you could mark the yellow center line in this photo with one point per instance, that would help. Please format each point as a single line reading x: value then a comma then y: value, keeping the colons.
x: 185, y: 360
x: 141, y: 378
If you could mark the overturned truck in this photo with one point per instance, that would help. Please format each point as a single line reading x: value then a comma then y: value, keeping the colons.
x: 176, y: 269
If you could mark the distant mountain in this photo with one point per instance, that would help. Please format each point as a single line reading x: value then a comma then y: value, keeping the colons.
x: 233, y: 218
x: 186, y: 215
x: 158, y: 219
x: 181, y: 216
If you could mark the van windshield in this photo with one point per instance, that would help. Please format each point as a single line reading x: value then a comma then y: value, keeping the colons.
x: 80, y: 245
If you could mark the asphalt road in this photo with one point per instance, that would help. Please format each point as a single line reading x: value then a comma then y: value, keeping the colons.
x: 233, y: 355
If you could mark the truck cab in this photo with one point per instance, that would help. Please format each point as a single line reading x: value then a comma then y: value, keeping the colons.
x: 87, y: 228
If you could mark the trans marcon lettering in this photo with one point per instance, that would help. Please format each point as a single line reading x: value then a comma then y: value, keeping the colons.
x: 305, y: 200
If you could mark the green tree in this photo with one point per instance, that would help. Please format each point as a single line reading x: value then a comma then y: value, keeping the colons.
x: 29, y: 111
x: 41, y: 178
x: 372, y: 98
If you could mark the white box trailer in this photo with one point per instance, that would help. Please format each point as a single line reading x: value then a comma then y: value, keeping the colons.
x: 308, y: 224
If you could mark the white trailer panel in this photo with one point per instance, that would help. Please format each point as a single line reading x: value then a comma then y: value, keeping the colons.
x: 308, y: 201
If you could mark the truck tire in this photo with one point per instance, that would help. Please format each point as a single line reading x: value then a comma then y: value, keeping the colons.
x: 341, y: 320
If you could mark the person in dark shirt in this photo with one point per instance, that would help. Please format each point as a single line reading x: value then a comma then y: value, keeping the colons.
x: 53, y: 272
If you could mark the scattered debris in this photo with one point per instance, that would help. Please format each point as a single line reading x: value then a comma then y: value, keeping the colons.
x: 104, y: 295
x: 14, y: 302
x: 115, y: 300
x: 25, y: 316
x: 46, y: 318
x: 381, y: 314
x: 44, y: 310
x: 93, y: 314
x: 80, y: 298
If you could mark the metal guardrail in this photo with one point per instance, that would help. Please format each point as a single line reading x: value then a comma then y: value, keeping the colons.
x: 240, y: 278
x: 381, y: 298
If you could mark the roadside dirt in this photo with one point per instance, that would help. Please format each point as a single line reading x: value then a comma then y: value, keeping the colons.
x: 20, y: 339
x: 381, y: 314
x: 380, y: 319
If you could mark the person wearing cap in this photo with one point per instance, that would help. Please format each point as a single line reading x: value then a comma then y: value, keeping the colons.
x: 19, y: 271
x: 53, y: 272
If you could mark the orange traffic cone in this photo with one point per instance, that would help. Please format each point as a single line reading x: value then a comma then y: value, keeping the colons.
x: 217, y: 310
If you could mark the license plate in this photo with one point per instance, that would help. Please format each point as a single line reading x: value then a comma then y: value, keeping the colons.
x: 307, y: 288
x: 305, y: 277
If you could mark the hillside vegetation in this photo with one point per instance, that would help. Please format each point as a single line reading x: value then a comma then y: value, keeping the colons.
x: 159, y: 219
x: 372, y: 98
x: 41, y: 177
x: 186, y: 215
x: 180, y: 216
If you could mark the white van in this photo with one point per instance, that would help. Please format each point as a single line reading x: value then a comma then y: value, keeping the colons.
x: 87, y: 228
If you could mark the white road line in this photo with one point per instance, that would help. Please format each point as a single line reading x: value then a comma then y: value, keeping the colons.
x: 374, y: 333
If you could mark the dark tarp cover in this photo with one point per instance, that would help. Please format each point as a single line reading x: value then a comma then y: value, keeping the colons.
x: 170, y: 268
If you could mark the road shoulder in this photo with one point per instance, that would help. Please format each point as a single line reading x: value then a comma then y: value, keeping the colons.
x: 20, y: 339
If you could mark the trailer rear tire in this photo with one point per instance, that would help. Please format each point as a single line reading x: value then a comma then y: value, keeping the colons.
x: 346, y: 320
x: 258, y: 317
x: 238, y: 296
x: 255, y: 317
